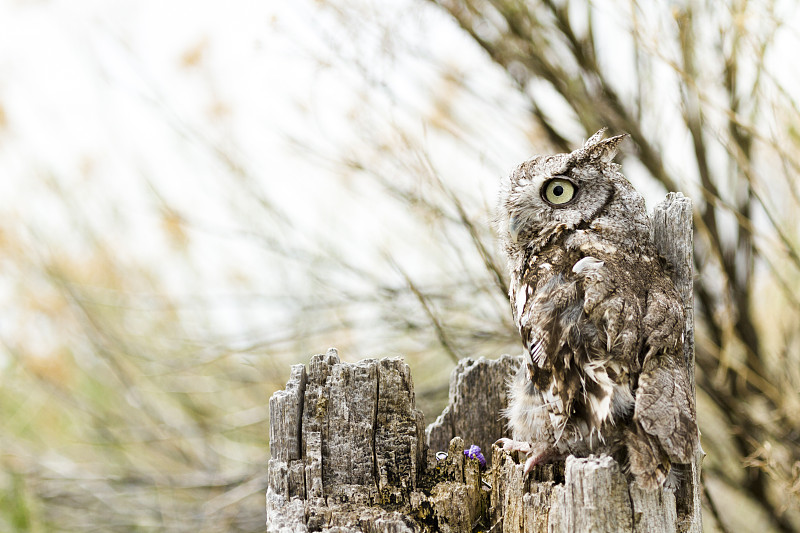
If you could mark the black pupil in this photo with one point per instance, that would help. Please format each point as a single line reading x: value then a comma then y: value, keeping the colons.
x: 558, y: 190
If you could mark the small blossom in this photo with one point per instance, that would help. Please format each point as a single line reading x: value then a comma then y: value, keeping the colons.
x: 474, y: 452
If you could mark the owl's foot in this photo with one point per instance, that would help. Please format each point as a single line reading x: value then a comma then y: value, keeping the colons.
x: 510, y: 445
x: 537, y: 453
x: 544, y: 456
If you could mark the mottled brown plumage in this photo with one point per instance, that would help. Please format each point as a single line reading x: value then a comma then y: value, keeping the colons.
x: 599, y: 317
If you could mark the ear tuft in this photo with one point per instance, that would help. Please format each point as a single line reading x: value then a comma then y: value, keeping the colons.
x: 596, y: 138
x: 603, y: 150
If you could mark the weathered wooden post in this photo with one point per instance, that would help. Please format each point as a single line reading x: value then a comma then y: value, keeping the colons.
x: 674, y: 238
x: 350, y: 452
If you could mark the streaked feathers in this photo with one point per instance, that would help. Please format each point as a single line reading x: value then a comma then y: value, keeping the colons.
x: 600, y: 319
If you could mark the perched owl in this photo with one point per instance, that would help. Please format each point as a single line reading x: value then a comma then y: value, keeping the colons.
x: 599, y: 316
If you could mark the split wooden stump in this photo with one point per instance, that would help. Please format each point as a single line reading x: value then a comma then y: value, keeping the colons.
x: 350, y: 452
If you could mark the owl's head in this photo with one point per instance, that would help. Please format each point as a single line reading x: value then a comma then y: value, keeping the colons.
x: 550, y: 194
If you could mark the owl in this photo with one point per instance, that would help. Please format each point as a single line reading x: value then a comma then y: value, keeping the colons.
x: 599, y: 316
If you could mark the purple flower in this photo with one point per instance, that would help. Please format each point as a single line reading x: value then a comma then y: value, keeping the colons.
x: 474, y: 452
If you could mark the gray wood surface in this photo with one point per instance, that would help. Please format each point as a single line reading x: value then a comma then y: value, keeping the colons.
x: 674, y: 237
x: 349, y: 450
x: 476, y: 400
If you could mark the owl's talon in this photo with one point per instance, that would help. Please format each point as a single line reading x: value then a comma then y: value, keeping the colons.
x: 510, y: 445
x: 536, y: 454
x: 532, y: 461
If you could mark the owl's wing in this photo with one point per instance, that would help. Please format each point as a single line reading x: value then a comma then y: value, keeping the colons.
x: 630, y: 325
x: 551, y: 338
x: 612, y: 307
x: 664, y: 406
x: 538, y: 315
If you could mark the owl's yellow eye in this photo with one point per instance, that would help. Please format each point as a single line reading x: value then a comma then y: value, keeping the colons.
x: 559, y: 191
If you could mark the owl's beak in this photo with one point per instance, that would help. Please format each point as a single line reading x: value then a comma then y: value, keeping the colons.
x: 514, y: 225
